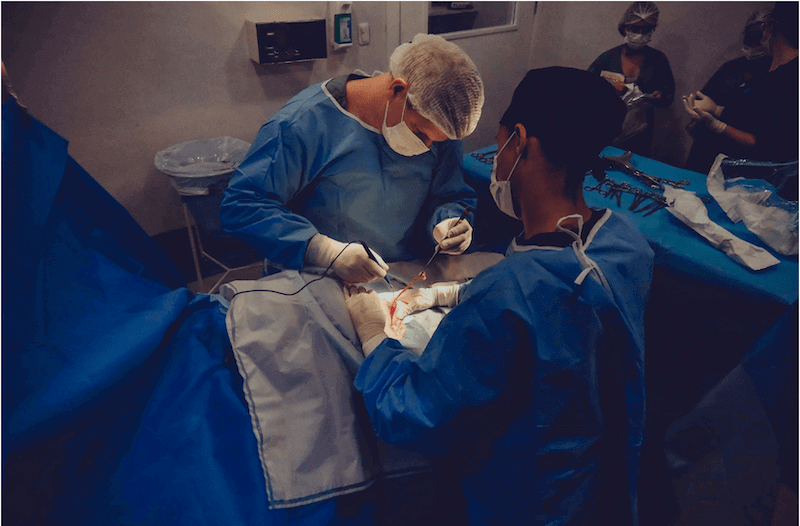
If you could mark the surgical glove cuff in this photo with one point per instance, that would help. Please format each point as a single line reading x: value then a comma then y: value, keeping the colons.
x: 369, y: 345
x: 322, y: 250
x: 446, y: 295
x: 716, y: 125
x: 370, y: 334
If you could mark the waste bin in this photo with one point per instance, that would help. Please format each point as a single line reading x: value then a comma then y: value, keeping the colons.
x: 200, y: 170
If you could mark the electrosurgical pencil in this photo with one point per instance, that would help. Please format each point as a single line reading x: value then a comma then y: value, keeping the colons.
x: 372, y: 257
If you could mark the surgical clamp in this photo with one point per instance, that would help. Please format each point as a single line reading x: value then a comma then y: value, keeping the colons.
x: 623, y: 164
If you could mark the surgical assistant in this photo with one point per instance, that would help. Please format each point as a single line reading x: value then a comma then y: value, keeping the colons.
x: 533, y: 384
x: 330, y: 168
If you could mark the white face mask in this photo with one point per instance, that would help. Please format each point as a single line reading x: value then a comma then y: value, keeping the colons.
x: 635, y: 40
x: 400, y: 137
x: 501, y: 190
x: 754, y: 52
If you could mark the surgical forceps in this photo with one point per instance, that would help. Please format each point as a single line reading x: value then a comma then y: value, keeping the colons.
x: 393, y: 305
x: 485, y: 157
x: 623, y: 164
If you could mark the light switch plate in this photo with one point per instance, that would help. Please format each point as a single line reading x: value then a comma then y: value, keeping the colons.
x: 363, y: 33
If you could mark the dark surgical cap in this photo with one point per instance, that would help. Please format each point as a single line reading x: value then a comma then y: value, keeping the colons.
x: 573, y: 113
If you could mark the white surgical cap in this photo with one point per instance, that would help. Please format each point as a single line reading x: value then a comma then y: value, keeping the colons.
x: 646, y: 11
x: 444, y: 84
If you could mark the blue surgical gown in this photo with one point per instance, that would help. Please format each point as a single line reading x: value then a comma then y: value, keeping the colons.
x: 314, y: 167
x: 533, y: 385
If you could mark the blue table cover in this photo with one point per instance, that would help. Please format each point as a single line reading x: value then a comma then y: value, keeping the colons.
x: 676, y: 246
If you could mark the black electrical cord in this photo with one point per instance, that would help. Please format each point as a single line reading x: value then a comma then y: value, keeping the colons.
x: 324, y: 275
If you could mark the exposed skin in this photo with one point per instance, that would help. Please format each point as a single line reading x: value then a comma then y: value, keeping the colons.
x: 537, y: 186
x: 782, y: 52
x: 366, y: 99
x: 632, y: 61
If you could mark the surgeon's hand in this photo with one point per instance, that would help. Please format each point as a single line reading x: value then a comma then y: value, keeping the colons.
x: 370, y: 315
x: 453, y: 239
x: 702, y: 102
x: 699, y: 115
x: 416, y: 300
x: 352, y: 265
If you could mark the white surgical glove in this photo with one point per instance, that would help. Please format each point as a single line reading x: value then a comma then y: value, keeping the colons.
x: 416, y: 300
x: 370, y: 316
x: 459, y: 238
x: 352, y: 266
x: 703, y: 102
x: 702, y: 116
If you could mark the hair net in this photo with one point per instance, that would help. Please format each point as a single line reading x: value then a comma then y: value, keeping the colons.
x: 573, y: 113
x: 646, y: 11
x: 444, y: 84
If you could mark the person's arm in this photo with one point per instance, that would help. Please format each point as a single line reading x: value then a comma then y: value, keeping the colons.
x: 739, y: 136
x: 601, y: 63
x: 449, y: 193
x: 422, y: 403
x: 705, y: 111
x: 664, y: 82
x: 254, y: 207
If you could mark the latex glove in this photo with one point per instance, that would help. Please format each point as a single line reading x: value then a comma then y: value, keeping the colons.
x: 416, y: 300
x: 701, y: 116
x: 353, y: 264
x: 453, y: 239
x: 699, y: 101
x: 370, y: 316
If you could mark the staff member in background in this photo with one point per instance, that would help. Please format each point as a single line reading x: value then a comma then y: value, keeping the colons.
x: 636, y: 69
x: 728, y: 83
x: 376, y: 159
x: 761, y: 123
x: 533, y: 384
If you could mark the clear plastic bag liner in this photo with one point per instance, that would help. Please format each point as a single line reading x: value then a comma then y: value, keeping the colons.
x: 755, y: 201
x: 195, y: 166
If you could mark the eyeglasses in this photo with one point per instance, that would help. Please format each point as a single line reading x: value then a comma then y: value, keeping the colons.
x: 642, y: 30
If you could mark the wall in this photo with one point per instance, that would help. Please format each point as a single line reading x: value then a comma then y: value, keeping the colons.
x: 501, y: 57
x: 696, y: 37
x: 124, y: 80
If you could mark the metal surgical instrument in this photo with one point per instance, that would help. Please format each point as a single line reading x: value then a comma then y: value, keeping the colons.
x: 623, y: 164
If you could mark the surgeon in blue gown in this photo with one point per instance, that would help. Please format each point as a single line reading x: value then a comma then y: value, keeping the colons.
x: 532, y: 386
x: 374, y: 159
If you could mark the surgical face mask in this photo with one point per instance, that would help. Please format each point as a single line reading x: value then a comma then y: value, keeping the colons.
x: 754, y: 43
x: 501, y: 190
x: 400, y: 138
x: 636, y: 40
x: 754, y: 52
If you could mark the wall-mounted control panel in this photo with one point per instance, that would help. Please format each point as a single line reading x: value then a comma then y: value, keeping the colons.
x: 286, y: 42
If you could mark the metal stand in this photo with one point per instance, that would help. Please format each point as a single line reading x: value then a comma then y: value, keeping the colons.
x: 197, y: 250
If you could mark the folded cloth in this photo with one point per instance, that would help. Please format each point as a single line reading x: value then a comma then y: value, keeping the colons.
x: 298, y: 355
x: 687, y: 207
